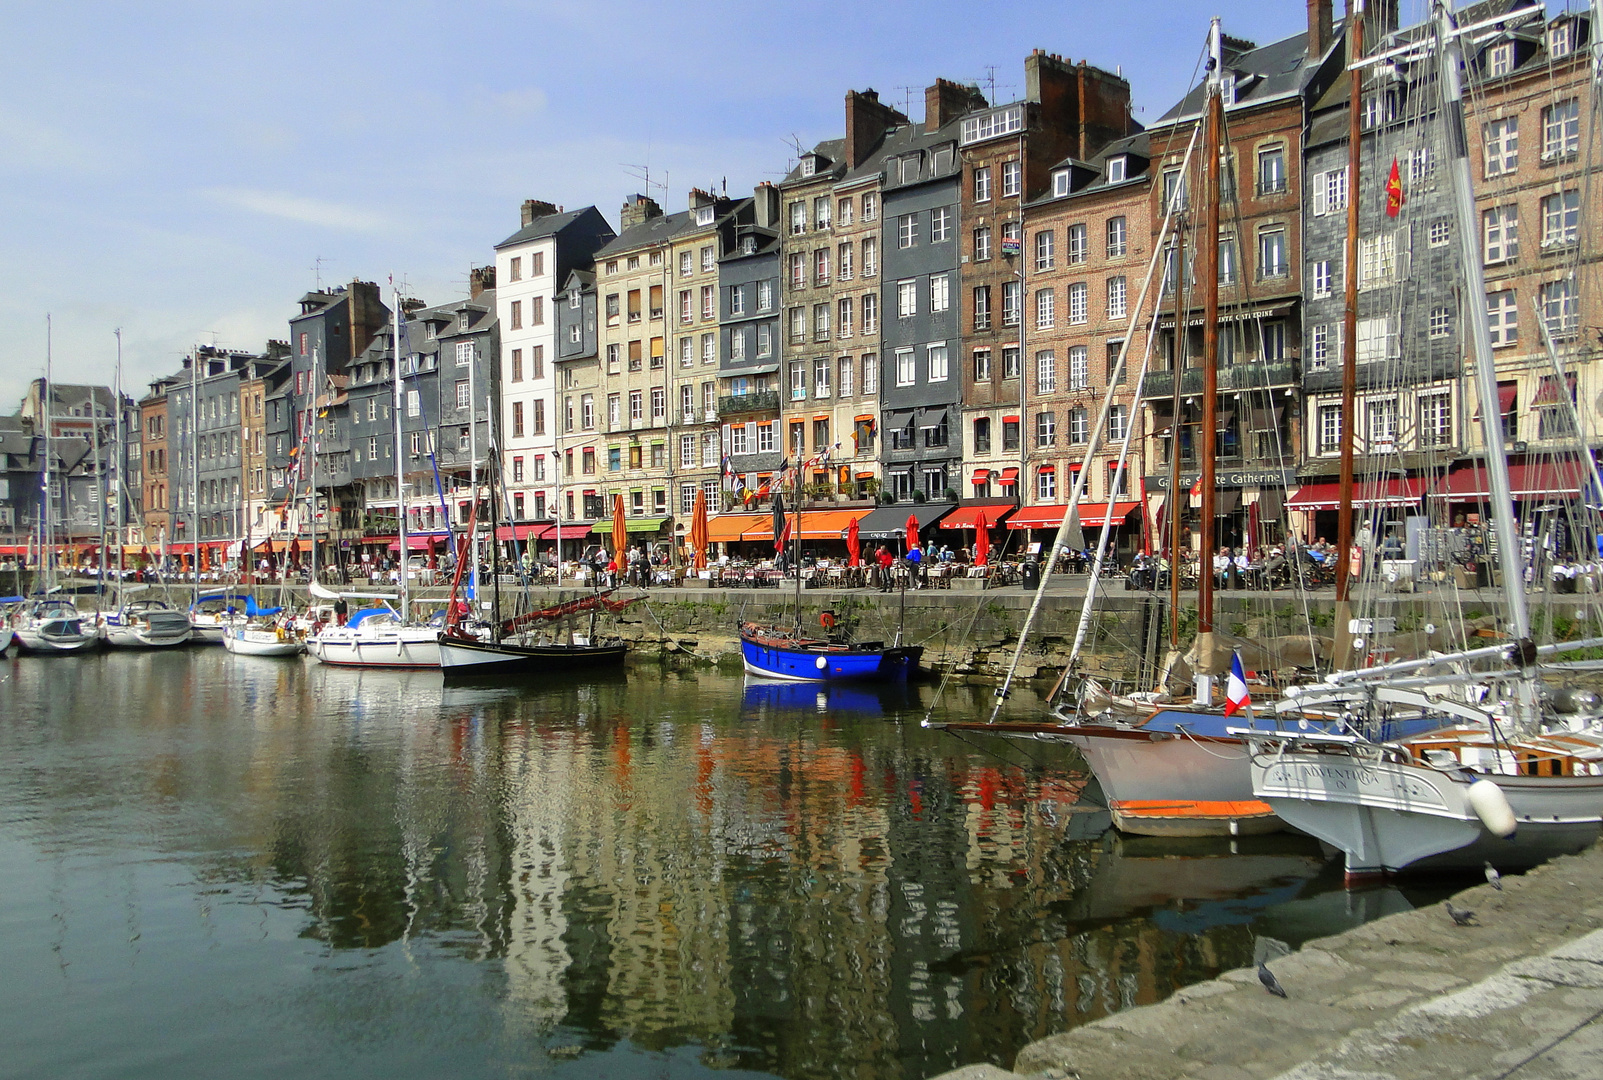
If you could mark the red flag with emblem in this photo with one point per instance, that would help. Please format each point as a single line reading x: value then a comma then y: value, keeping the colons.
x: 1394, y: 191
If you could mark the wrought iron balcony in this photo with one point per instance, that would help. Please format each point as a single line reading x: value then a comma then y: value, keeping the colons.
x: 756, y: 401
x: 1160, y: 384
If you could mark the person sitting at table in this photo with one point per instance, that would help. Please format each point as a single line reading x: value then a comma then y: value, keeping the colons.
x: 1221, y: 568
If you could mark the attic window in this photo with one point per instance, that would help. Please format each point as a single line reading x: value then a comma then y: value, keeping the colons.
x: 1118, y: 169
x: 1561, y: 38
x: 748, y: 246
x: 943, y: 160
x: 704, y: 214
x: 809, y: 164
x: 909, y: 168
x: 1500, y: 59
x: 575, y: 298
x: 433, y: 330
x: 1060, y: 182
x: 463, y: 319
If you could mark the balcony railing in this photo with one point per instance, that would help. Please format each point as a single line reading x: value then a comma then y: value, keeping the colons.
x: 1236, y: 377
x: 757, y: 401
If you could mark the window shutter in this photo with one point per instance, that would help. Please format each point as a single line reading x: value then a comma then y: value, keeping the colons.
x: 1321, y: 195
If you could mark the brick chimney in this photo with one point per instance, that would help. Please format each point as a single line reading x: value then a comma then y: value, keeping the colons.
x: 699, y: 198
x: 1320, y: 17
x: 536, y: 208
x: 637, y: 210
x: 765, y: 206
x: 867, y: 120
x: 947, y: 100
x: 482, y: 277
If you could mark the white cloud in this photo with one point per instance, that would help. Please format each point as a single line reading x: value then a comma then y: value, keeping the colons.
x: 309, y: 211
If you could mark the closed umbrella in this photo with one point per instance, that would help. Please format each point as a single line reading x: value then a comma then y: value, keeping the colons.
x: 854, y: 546
x: 620, y: 533
x: 912, y: 531
x: 982, y: 540
x: 779, y: 522
x: 698, y: 530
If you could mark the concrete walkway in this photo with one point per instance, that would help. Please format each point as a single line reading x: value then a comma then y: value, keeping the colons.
x: 1410, y: 996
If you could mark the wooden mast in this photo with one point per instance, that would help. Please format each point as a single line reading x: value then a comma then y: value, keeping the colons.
x: 1208, y: 256
x: 1176, y: 520
x: 1349, y: 352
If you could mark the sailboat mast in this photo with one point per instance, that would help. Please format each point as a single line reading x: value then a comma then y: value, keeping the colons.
x: 1208, y: 256
x: 400, y: 475
x: 473, y: 475
x: 100, y: 494
x: 46, y: 519
x: 1349, y: 352
x: 1176, y: 521
x: 492, y: 463
x: 122, y: 461
x: 194, y: 469
x: 311, y: 446
x: 1508, y: 554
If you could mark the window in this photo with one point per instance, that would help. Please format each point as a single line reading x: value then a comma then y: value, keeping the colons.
x: 843, y: 211
x: 634, y: 305
x: 612, y: 307
x: 539, y: 416
x: 1046, y: 483
x: 1500, y: 59
x: 1501, y: 229
x: 1117, y: 293
x: 517, y: 368
x: 1011, y: 292
x: 982, y: 183
x: 982, y: 365
x: 1045, y: 254
x: 659, y: 403
x: 1561, y: 129
x: 1077, y: 246
x: 870, y: 257
x: 821, y: 266
x: 798, y: 270
x: 537, y: 311
x: 1078, y: 302
x: 940, y: 298
x: 687, y: 352
x: 517, y: 314
x: 738, y: 443
x: 870, y: 207
x: 464, y: 396
x: 765, y: 339
x: 907, y: 231
x: 1501, y: 144
x: 1045, y: 308
x: 845, y: 369
x: 687, y: 310
x: 1060, y: 183
x: 1561, y: 219
x: 1011, y: 179
x: 1329, y: 429
x: 709, y: 302
x: 1435, y: 420
x: 765, y: 296
x: 1376, y: 341
x: 414, y: 403
x: 936, y: 357
x: 906, y: 374
x: 870, y: 373
x: 687, y: 451
x: 737, y: 343
x: 798, y: 221
x: 1321, y: 279
x: 906, y: 298
x: 845, y: 309
x: 587, y: 411
x: 464, y: 353
x: 1377, y: 260
x: 515, y: 269
x: 1174, y: 189
x: 940, y: 224
x: 614, y: 412
x: 843, y: 260
x: 1271, y: 253
x: 1010, y: 361
x: 1046, y: 372
x: 821, y: 207
x: 1118, y: 169
x: 1010, y: 435
x: 687, y: 403
x: 1271, y: 170
x: 1079, y: 426
x: 1118, y: 232
x: 982, y: 244
x: 909, y: 168
x: 1329, y: 190
x: 797, y: 318
x: 1119, y: 423
x: 1046, y: 428
x: 982, y: 307
x: 1560, y: 38
x: 614, y: 459
x: 1560, y: 308
x: 870, y: 313
x: 798, y: 380
x: 1381, y: 418
x: 657, y: 355
x: 1379, y: 108
x: 1441, y: 322
x: 821, y: 321
x: 765, y: 438
x: 1079, y: 367
x: 1004, y: 121
x: 821, y: 370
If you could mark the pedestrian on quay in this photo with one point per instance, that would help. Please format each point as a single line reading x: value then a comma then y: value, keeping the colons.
x: 885, y: 560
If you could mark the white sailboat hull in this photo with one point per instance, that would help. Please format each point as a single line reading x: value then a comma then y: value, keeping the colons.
x: 51, y: 639
x: 1133, y: 766
x: 388, y: 646
x: 139, y: 633
x: 245, y: 641
x: 1387, y: 816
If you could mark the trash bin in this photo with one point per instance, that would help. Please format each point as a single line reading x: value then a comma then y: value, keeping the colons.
x: 1031, y: 574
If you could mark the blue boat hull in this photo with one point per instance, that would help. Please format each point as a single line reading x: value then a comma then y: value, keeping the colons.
x: 821, y: 662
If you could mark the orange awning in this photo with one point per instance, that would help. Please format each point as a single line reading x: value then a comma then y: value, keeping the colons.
x: 726, y: 528
x: 1092, y: 515
x: 966, y: 517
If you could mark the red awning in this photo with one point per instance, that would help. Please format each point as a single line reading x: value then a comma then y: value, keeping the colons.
x: 966, y: 517
x: 569, y: 532
x: 180, y: 549
x: 1009, y: 477
x: 1396, y: 491
x: 1525, y: 480
x: 1506, y: 394
x: 1092, y: 515
x: 981, y: 476
x: 518, y: 532
x: 418, y: 543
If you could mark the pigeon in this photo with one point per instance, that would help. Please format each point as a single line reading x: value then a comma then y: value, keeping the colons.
x: 1493, y: 878
x: 1461, y: 916
x: 1270, y: 983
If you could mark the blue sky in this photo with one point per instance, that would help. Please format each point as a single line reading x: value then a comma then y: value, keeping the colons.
x: 176, y: 169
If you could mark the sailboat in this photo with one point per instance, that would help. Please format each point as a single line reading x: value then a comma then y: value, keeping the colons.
x: 382, y: 637
x: 773, y: 652
x: 1518, y: 777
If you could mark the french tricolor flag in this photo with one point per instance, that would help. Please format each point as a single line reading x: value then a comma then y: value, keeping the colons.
x: 1237, y: 698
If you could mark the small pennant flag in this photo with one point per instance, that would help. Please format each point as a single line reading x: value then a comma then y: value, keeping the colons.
x: 1237, y: 698
x: 1394, y: 191
x: 1196, y: 489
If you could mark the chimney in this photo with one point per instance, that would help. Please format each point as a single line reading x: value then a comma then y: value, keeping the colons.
x: 867, y: 120
x: 765, y: 206
x: 536, y: 208
x: 637, y: 210
x: 947, y: 100
x: 700, y: 198
x: 482, y: 277
x: 1320, y: 18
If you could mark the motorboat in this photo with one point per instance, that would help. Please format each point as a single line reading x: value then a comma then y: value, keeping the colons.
x: 54, y: 627
x: 146, y: 624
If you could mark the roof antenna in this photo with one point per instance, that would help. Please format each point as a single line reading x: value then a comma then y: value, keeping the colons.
x: 642, y: 173
x: 317, y: 268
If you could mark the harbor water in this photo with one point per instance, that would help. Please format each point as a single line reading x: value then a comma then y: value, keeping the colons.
x: 213, y: 865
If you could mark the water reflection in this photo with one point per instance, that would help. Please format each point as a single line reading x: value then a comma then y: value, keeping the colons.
x: 365, y: 873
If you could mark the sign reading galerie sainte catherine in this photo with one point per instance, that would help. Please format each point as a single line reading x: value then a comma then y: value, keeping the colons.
x: 1229, y: 478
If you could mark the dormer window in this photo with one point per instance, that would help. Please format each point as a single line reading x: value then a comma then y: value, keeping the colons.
x: 748, y: 246
x: 1227, y: 88
x: 1060, y: 182
x: 1561, y: 38
x: 704, y: 215
x: 909, y: 168
x: 463, y: 319
x: 809, y: 164
x: 1118, y: 169
x: 433, y: 330
x: 575, y: 298
x: 1500, y: 59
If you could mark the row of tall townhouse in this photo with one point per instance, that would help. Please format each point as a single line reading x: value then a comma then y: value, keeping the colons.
x: 934, y: 312
x: 88, y: 480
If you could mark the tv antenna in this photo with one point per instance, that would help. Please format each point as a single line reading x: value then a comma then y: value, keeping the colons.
x: 317, y: 269
x: 642, y: 173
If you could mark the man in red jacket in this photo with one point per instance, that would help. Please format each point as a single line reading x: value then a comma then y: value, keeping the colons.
x: 885, y: 560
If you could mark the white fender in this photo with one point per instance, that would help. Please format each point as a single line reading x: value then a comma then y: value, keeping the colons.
x: 1491, y: 806
x: 821, y: 663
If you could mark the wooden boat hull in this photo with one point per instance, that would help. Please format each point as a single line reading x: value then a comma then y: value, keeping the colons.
x: 1177, y: 817
x: 465, y: 658
x: 822, y: 661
